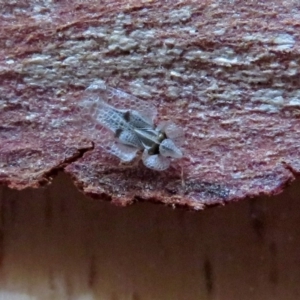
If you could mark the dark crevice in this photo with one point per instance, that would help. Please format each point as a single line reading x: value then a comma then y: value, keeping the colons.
x: 290, y: 168
x: 49, y: 175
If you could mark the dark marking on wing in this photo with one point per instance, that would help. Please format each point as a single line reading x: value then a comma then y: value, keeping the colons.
x: 118, y: 132
x: 126, y: 116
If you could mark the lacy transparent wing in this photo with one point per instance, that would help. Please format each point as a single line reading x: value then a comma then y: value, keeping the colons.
x: 124, y: 152
x: 173, y: 132
x: 168, y: 148
x: 119, y: 114
x: 155, y: 162
x: 107, y: 141
x: 111, y: 118
x: 123, y: 101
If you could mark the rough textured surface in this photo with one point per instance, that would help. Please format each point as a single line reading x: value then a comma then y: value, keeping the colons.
x: 225, y: 71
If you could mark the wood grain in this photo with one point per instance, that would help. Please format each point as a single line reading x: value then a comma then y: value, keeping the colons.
x: 58, y: 244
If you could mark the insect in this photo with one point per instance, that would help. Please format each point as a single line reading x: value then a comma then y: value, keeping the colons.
x: 128, y: 128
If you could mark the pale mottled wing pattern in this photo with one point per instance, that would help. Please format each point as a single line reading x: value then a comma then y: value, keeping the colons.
x: 123, y: 101
x: 124, y: 152
x: 107, y: 106
x: 168, y: 148
x: 155, y: 162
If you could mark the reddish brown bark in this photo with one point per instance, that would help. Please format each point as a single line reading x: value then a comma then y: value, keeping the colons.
x: 227, y: 72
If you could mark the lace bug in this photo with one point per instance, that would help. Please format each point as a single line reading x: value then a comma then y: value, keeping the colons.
x: 128, y: 128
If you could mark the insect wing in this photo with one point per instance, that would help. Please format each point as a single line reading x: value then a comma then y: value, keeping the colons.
x: 124, y: 152
x: 126, y: 102
x: 144, y: 108
x: 168, y: 148
x: 138, y: 121
x: 112, y: 118
x: 155, y: 162
x: 117, y: 114
x: 129, y: 138
x: 107, y: 141
x: 173, y: 132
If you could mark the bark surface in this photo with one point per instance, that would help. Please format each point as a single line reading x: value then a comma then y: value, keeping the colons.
x: 225, y: 71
